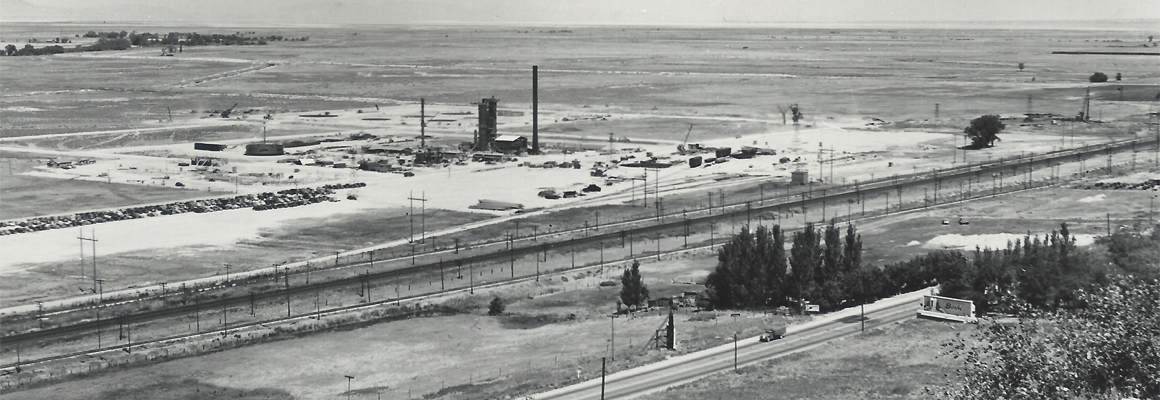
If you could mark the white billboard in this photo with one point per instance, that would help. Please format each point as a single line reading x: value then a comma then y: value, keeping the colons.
x: 939, y: 306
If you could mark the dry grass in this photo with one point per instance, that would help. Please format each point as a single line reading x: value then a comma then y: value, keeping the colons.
x: 894, y: 362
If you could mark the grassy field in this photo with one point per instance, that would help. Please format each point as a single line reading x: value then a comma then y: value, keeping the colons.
x: 677, y: 71
x: 458, y: 357
x: 898, y: 361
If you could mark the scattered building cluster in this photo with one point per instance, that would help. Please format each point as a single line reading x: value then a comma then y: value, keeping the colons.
x: 262, y: 201
x: 69, y: 164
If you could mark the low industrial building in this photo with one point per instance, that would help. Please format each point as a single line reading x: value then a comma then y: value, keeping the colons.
x: 510, y: 144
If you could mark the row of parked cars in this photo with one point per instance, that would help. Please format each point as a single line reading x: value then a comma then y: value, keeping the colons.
x: 1150, y: 184
x: 261, y: 201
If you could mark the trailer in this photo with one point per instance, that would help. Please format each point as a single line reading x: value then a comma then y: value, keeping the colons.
x: 773, y: 334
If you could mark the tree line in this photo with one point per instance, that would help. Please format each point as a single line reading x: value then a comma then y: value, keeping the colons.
x: 754, y: 271
x: 124, y: 40
x: 193, y: 38
x: 102, y: 44
x: 824, y: 267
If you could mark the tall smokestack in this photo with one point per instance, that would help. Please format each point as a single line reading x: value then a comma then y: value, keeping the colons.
x: 535, y: 109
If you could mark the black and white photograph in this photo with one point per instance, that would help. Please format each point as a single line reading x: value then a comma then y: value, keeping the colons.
x: 579, y: 200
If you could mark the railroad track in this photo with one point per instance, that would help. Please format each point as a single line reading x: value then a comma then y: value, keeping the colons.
x: 618, y: 230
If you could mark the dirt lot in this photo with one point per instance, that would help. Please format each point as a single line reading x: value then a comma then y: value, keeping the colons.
x: 295, y: 240
x: 27, y: 196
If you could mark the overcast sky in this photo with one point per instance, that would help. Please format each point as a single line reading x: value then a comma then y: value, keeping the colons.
x: 548, y: 12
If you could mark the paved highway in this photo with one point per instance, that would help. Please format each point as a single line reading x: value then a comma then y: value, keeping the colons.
x: 690, y: 367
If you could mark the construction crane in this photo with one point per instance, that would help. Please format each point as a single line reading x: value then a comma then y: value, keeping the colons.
x: 682, y: 148
x: 226, y: 113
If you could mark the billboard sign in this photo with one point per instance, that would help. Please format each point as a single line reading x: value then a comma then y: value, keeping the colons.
x: 948, y: 305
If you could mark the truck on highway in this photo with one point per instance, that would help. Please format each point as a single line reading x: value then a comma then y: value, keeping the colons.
x: 772, y: 334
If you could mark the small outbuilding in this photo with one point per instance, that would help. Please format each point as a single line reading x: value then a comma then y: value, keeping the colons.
x: 510, y: 144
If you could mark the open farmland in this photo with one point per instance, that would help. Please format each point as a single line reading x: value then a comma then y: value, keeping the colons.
x: 878, y: 103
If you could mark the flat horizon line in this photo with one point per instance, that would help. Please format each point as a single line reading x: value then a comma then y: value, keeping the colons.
x: 1105, y: 24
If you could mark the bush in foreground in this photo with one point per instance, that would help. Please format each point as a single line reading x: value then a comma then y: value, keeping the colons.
x: 1106, y: 349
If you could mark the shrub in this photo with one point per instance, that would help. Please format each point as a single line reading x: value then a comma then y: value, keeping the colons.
x: 496, y: 307
x: 1098, y: 77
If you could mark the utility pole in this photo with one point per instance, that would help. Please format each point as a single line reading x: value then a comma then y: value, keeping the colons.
x: 80, y: 239
x: 348, y: 379
x: 423, y: 221
x: 656, y: 184
x: 1151, y: 207
x: 225, y: 320
x: 685, y: 218
x: 805, y: 217
x: 603, y: 370
x: 287, y: 276
x: 129, y: 336
x: 734, y: 351
x: 442, y: 285
x: 612, y: 343
x: 93, y: 239
x: 710, y: 235
x: 748, y: 213
x: 98, y: 310
x: 422, y: 123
